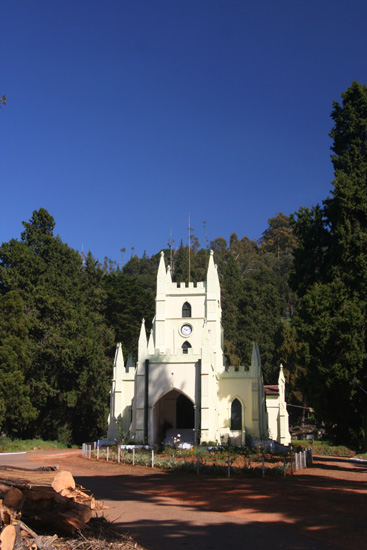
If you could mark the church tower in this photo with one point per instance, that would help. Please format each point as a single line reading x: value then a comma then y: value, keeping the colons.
x: 177, y: 366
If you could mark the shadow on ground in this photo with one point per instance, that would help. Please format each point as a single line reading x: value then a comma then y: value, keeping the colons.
x: 168, y: 534
x: 330, y: 510
x: 322, y: 508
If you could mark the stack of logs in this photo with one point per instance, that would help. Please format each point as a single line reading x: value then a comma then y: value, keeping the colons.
x: 44, y: 498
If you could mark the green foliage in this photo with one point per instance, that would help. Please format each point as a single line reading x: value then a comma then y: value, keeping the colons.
x: 67, y: 367
x: 361, y: 456
x: 16, y: 410
x: 323, y: 448
x: 330, y: 276
x: 260, y: 309
x: 278, y: 238
x: 206, y: 461
x: 231, y: 286
x: 127, y: 304
x: 9, y: 445
x: 143, y: 271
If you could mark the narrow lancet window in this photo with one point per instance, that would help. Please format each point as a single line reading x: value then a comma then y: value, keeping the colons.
x: 186, y: 310
x: 236, y: 415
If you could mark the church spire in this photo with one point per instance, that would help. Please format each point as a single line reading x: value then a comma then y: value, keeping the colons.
x: 142, y: 344
x: 161, y: 276
x: 151, y: 346
x: 281, y: 383
x: 118, y: 366
x: 212, y: 277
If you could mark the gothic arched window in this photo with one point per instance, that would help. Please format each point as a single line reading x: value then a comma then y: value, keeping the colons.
x: 186, y: 310
x: 236, y: 415
x: 185, y: 347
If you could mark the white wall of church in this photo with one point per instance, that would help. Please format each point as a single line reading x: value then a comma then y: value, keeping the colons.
x: 228, y: 390
x: 164, y: 377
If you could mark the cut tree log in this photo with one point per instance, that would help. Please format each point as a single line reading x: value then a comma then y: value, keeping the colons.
x: 46, y: 498
x: 63, y: 482
x: 7, y: 538
x: 14, y: 498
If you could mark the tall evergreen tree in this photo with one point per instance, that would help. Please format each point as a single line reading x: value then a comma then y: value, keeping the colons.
x: 128, y: 302
x: 260, y: 309
x: 16, y: 410
x: 69, y: 367
x: 231, y: 287
x: 330, y: 275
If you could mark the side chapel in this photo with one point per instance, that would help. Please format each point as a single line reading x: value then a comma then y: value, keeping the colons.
x: 180, y: 385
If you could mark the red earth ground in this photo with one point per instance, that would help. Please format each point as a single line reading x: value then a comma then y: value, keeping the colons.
x: 327, y: 502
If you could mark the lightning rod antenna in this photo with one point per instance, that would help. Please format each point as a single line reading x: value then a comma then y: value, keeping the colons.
x: 170, y: 242
x: 189, y: 246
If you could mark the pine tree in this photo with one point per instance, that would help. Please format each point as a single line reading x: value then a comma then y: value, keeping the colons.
x: 330, y: 276
x: 127, y: 304
x: 260, y: 309
x: 69, y: 342
x: 16, y: 410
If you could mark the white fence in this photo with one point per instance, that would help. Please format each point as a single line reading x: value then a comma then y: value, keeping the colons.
x: 302, y: 459
x: 293, y: 463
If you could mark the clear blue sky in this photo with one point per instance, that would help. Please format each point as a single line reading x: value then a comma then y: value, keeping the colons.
x: 123, y: 116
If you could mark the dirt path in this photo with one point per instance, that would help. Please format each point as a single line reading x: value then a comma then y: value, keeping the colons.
x: 323, y: 507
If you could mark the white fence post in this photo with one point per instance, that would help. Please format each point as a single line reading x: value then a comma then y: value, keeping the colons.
x: 134, y: 456
x: 98, y: 452
x: 118, y: 454
x: 303, y: 459
x: 152, y: 458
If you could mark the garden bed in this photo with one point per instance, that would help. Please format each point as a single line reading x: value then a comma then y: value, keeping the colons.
x: 222, y: 462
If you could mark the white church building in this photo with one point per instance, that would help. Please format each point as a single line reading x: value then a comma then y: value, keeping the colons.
x: 180, y: 383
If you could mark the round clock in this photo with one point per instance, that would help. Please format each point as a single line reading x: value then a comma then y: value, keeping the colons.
x: 186, y: 330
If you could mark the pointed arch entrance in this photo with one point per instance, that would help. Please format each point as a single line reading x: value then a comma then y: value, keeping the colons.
x: 173, y: 413
x: 185, y: 413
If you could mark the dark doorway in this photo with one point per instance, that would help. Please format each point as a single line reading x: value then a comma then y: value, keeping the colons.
x: 185, y: 416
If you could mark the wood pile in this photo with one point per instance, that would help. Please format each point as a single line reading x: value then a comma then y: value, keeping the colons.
x: 44, y: 498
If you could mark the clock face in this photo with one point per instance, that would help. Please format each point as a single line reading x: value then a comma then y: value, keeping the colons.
x: 186, y: 330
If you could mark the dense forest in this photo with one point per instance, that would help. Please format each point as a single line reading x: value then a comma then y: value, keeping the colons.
x: 300, y: 291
